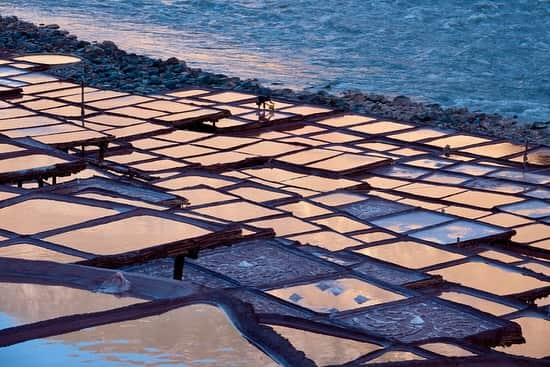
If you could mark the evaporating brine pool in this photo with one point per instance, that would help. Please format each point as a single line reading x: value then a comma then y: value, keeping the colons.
x: 23, y: 303
x: 489, y: 55
x: 325, y: 350
x: 197, y: 335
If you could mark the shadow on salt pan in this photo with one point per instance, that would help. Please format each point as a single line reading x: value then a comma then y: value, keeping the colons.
x: 536, y: 332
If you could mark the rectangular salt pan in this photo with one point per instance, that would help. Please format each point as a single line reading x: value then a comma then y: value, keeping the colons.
x: 32, y: 252
x: 529, y: 208
x: 410, y: 254
x: 44, y: 215
x: 129, y: 234
x: 329, y: 296
x: 490, y: 278
x: 457, y: 231
x: 417, y: 219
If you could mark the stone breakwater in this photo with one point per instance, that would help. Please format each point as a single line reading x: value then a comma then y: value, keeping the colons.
x: 107, y: 66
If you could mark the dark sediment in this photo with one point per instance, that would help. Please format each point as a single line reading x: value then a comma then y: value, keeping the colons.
x: 107, y: 66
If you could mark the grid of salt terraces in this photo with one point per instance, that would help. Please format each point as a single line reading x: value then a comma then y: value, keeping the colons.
x: 299, y: 236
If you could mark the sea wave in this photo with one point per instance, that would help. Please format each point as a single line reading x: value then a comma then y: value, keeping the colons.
x: 488, y: 55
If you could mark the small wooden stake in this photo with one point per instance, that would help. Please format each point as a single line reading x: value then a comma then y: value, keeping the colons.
x: 178, y: 267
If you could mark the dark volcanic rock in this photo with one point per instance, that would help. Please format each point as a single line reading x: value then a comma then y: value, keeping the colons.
x: 402, y: 100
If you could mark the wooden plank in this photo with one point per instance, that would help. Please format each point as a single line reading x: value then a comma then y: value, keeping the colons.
x: 226, y: 237
x: 56, y: 170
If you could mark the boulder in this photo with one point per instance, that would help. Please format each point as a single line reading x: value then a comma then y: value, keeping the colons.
x: 402, y: 100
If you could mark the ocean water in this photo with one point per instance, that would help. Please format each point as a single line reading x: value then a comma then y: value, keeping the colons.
x: 487, y: 55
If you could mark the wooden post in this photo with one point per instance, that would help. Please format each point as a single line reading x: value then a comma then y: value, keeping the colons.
x: 179, y: 260
x: 102, y: 148
x: 525, y: 157
x: 194, y: 253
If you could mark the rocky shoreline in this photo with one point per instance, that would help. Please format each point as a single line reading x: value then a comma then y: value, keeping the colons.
x: 107, y: 66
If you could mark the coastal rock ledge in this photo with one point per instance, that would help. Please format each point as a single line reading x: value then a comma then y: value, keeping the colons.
x: 107, y: 66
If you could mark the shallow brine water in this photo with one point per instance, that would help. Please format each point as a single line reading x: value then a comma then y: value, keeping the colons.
x: 487, y: 55
x: 192, y: 336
